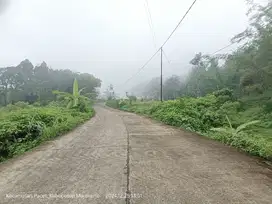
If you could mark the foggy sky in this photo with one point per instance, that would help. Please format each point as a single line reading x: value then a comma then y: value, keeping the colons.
x: 111, y: 38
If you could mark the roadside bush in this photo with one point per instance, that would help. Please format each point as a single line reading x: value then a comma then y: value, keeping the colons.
x: 203, y: 113
x: 36, y: 104
x: 22, y: 104
x: 83, y: 106
x: 254, y: 144
x: 113, y: 103
x: 56, y: 104
x: 10, y: 107
x: 268, y: 106
x: 122, y: 103
x: 211, y: 119
x: 224, y: 95
x: 18, y: 129
x: 23, y: 129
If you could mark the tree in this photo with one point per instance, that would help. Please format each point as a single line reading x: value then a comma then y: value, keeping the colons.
x: 152, y: 89
x: 27, y: 83
x: 246, y: 71
x: 171, y: 87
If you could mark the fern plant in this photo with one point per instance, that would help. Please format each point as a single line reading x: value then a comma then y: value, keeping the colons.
x: 233, y: 131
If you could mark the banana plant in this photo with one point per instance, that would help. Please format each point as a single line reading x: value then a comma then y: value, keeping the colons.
x: 233, y: 131
x: 72, y: 99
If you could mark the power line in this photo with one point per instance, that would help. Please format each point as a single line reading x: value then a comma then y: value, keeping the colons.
x: 179, y: 22
x: 176, y: 63
x: 143, y: 66
x: 213, y: 52
x: 219, y: 50
x: 161, y: 75
x: 165, y: 40
x: 223, y: 48
x: 150, y: 23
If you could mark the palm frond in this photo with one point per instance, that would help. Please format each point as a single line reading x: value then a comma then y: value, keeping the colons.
x: 223, y: 130
x: 229, y: 121
x: 79, y: 92
x: 70, y: 104
x: 84, y: 98
x: 243, y: 126
x: 57, y: 92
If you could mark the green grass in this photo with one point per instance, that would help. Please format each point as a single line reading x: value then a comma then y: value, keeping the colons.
x: 201, y: 114
x: 23, y: 128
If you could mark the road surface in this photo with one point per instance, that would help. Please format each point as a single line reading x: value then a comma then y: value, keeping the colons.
x: 119, y: 157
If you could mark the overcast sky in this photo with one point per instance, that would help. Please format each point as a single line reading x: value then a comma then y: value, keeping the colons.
x: 111, y: 38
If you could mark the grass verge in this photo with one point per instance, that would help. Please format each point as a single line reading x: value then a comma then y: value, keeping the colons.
x: 21, y: 129
x: 202, y: 114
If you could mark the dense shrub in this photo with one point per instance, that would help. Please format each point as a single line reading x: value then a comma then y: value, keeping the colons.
x: 224, y: 95
x: 24, y: 128
x: 123, y: 103
x: 224, y: 92
x: 37, y: 104
x: 268, y: 106
x: 83, y: 106
x: 22, y: 104
x: 11, y: 107
x: 203, y: 113
x: 113, y: 103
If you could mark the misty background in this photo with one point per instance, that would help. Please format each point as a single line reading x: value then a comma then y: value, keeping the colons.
x: 112, y: 39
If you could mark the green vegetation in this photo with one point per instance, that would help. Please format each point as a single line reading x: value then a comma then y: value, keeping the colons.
x: 247, y: 71
x: 27, y: 83
x: 227, y: 97
x: 40, y: 103
x: 22, y: 128
x: 235, y: 132
x: 207, y: 116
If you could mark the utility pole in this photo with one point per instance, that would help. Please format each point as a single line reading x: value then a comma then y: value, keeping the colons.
x: 161, y: 75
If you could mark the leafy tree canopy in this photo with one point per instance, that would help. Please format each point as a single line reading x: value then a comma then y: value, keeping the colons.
x: 28, y: 83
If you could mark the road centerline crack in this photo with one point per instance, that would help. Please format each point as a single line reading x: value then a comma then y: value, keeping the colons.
x: 128, y: 193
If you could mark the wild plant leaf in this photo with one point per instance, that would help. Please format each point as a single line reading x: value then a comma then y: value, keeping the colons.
x: 75, y: 101
x: 84, y: 98
x: 229, y: 121
x: 223, y: 130
x: 75, y: 88
x: 81, y: 90
x: 243, y: 126
x: 60, y: 93
x: 67, y: 98
x: 70, y: 104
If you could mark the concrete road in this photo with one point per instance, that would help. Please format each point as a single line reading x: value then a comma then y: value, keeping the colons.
x: 120, y: 157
